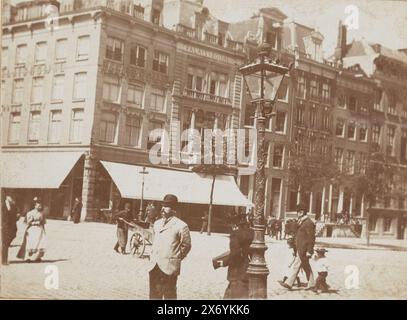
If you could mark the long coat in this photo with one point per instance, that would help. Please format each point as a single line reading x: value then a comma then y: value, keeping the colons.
x: 240, y: 240
x: 76, y: 212
x: 9, y: 223
x: 305, y: 237
x: 171, y: 244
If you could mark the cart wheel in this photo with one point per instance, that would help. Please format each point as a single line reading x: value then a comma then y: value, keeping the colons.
x: 137, y: 244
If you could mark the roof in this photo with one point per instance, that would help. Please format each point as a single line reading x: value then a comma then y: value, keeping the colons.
x: 363, y: 48
x: 239, y: 30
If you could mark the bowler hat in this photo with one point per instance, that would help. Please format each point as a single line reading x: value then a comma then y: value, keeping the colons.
x: 170, y: 200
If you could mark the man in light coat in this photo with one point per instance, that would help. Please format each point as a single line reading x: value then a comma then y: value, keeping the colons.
x: 171, y: 244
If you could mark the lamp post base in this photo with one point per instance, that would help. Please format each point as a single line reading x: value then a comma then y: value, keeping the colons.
x: 258, y: 270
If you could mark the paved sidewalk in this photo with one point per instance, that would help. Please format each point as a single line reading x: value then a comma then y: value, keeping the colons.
x: 90, y: 269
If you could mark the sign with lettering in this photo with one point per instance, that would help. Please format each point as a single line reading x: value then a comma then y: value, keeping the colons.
x: 206, y: 53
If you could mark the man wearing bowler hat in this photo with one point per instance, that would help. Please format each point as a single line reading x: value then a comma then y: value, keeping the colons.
x: 171, y: 244
x: 304, y: 241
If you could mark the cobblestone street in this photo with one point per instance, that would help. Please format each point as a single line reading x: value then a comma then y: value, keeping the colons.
x: 90, y: 269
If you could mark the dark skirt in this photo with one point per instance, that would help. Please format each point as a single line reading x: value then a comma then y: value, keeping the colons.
x: 237, y: 289
x: 122, y: 235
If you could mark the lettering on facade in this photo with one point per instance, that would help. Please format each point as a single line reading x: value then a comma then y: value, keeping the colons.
x: 205, y: 53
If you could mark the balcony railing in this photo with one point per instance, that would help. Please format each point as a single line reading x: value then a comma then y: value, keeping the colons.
x: 187, y: 31
x: 234, y: 45
x: 210, y: 38
x: 205, y: 96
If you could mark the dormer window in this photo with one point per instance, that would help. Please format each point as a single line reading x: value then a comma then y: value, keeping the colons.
x: 155, y: 16
x: 271, y: 39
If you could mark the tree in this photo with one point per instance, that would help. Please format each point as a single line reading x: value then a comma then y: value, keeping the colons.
x: 309, y: 170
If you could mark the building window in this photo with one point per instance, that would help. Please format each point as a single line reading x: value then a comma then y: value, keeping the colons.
x: 54, y: 133
x: 138, y: 56
x: 339, y: 158
x: 133, y: 128
x: 155, y: 16
x: 114, y: 49
x: 34, y: 127
x: 391, y: 135
x: 352, y: 131
x: 40, y: 52
x: 280, y: 122
x: 76, y: 125
x: 350, y: 162
x: 387, y: 224
x: 363, y: 106
x: 58, y: 87
x: 111, y: 89
x: 340, y: 128
x: 372, y: 223
x: 61, y: 49
x: 3, y: 92
x: 249, y: 115
x: 157, y: 140
x: 14, y: 128
x: 267, y: 150
x: 218, y: 84
x: 157, y: 102
x: 378, y: 101
x: 4, y: 57
x: 82, y: 50
x: 271, y: 39
x: 301, y: 87
x: 282, y: 94
x: 325, y: 119
x: 135, y: 95
x: 313, y: 117
x: 326, y: 92
x: 278, y: 156
x: 79, y: 86
x: 160, y: 62
x: 403, y: 146
x: 37, y: 93
x: 376, y: 129
x: 392, y: 109
x: 21, y: 54
x: 108, y: 125
x: 362, y: 163
x: 314, y: 88
x: 300, y: 113
x: 352, y: 103
x: 195, y: 79
x: 363, y: 133
x: 18, y: 91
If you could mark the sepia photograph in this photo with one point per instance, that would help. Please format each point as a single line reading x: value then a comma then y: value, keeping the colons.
x: 203, y: 150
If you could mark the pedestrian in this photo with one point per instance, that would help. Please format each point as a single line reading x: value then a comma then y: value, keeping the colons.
x: 305, y: 240
x: 153, y: 213
x: 172, y: 243
x: 289, y: 260
x: 241, y: 238
x: 204, y: 219
x: 76, y: 210
x: 122, y: 228
x: 34, y: 242
x: 321, y: 267
x: 9, y: 219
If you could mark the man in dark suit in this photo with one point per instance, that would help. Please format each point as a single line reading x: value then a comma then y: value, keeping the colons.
x: 305, y: 241
x: 241, y: 238
x: 8, y: 226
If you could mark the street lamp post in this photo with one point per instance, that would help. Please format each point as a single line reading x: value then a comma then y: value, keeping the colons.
x: 263, y: 78
x: 143, y: 173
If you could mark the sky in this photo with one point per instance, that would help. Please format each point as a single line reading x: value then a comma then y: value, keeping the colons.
x: 381, y: 21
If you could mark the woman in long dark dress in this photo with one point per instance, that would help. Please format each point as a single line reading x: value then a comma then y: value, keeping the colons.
x: 122, y: 228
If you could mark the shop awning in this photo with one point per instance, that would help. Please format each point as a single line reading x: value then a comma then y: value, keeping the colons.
x: 36, y: 170
x: 189, y: 187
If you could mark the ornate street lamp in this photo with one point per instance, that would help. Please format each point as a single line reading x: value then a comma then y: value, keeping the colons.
x: 141, y: 213
x: 263, y: 78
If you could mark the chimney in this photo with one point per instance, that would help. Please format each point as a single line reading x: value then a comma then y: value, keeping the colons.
x: 341, y: 43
